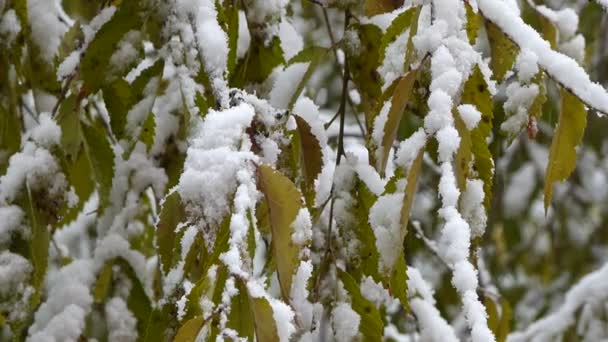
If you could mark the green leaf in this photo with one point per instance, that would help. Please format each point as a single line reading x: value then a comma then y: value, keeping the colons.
x: 398, y: 281
x: 258, y: 63
x: 568, y: 134
x: 504, y: 326
x: 464, y: 154
x: 284, y: 204
x: 139, y: 84
x: 312, y: 55
x: 103, y: 283
x: 472, y: 25
x: 94, y: 63
x: 263, y: 319
x: 101, y: 157
x: 171, y: 214
x: 240, y: 318
x: 189, y: 330
x: 118, y: 99
x: 364, y: 61
x: 371, y: 324
x: 70, y: 41
x: 476, y: 93
x: 503, y: 51
x: 397, y: 27
x: 401, y: 95
x: 148, y: 131
x: 10, y: 136
x: 69, y: 121
x: 367, y: 251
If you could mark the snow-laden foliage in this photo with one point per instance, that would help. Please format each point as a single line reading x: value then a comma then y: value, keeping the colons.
x: 307, y: 170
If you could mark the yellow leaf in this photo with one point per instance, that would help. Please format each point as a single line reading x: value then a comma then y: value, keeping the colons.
x: 263, y: 318
x: 410, y: 192
x: 189, y: 330
x: 401, y: 95
x: 503, y: 51
x: 284, y: 204
x: 568, y: 134
x: 472, y: 23
x: 463, y: 155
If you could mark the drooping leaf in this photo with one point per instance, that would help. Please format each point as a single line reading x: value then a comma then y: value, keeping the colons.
x: 171, y: 214
x: 118, y: 99
x: 189, y: 330
x: 364, y: 62
x: 464, y: 154
x: 258, y: 63
x: 10, y: 136
x: 240, y: 318
x: 401, y: 95
x: 263, y: 319
x: 94, y: 63
x: 103, y: 283
x: 311, y: 155
x: 313, y: 56
x: 397, y: 27
x: 148, y: 131
x: 101, y: 157
x: 398, y: 281
x: 410, y: 192
x: 368, y: 254
x: 371, y: 325
x: 503, y: 51
x: 284, y: 204
x: 568, y: 134
x: 472, y: 25
x: 476, y: 93
x: 504, y: 326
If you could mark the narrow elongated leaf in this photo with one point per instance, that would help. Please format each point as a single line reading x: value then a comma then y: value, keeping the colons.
x: 568, y: 134
x: 10, y: 136
x: 464, y: 154
x: 240, y: 318
x: 476, y: 93
x: 263, y: 319
x: 118, y: 99
x: 259, y: 62
x: 101, y: 157
x: 371, y: 325
x: 398, y: 281
x: 472, y: 25
x: 397, y: 27
x: 189, y: 330
x: 410, y: 192
x: 401, y: 95
x: 503, y: 50
x: 96, y: 58
x: 284, y: 204
x: 171, y: 214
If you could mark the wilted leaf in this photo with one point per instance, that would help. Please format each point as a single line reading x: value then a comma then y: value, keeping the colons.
x: 284, y: 204
x: 568, y: 134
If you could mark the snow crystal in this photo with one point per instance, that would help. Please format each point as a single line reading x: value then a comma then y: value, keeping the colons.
x: 470, y: 115
x: 345, y: 322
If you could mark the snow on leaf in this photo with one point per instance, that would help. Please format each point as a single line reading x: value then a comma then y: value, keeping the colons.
x: 504, y: 51
x: 189, y: 330
x: 101, y: 158
x: 373, y: 326
x: 568, y: 134
x: 311, y: 155
x: 171, y: 214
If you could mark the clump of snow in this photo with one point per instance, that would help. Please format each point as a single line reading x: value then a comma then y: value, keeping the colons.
x: 122, y: 325
x: 384, y: 217
x: 11, y: 218
x: 46, y: 27
x: 409, y: 149
x: 449, y: 140
x: 14, y: 271
x: 375, y: 292
x: 345, y: 322
x: 291, y: 41
x: 299, y: 295
x: 470, y: 115
x: 47, y: 133
x: 286, y: 84
x: 519, y: 99
x: 10, y: 26
x: 526, y: 65
x: 393, y: 67
x: 472, y: 207
x: 302, y: 228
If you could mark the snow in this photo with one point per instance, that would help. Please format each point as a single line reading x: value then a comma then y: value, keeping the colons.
x: 526, y: 64
x: 14, y: 271
x: 291, y: 41
x: 470, y: 115
x: 378, y: 130
x: 213, y: 160
x: 409, y: 149
x: 37, y: 167
x: 286, y: 83
x: 244, y: 39
x: 440, y: 115
x: 345, y: 322
x: 472, y: 208
x: 519, y: 99
x: 47, y: 133
x: 384, y: 217
x: 374, y: 292
x: 299, y: 295
x: 302, y: 228
x: 393, y: 67
x: 46, y: 27
x: 68, y: 66
x: 560, y: 67
x: 11, y: 219
x: 10, y: 26
x: 122, y: 325
x: 449, y: 140
x: 370, y: 177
